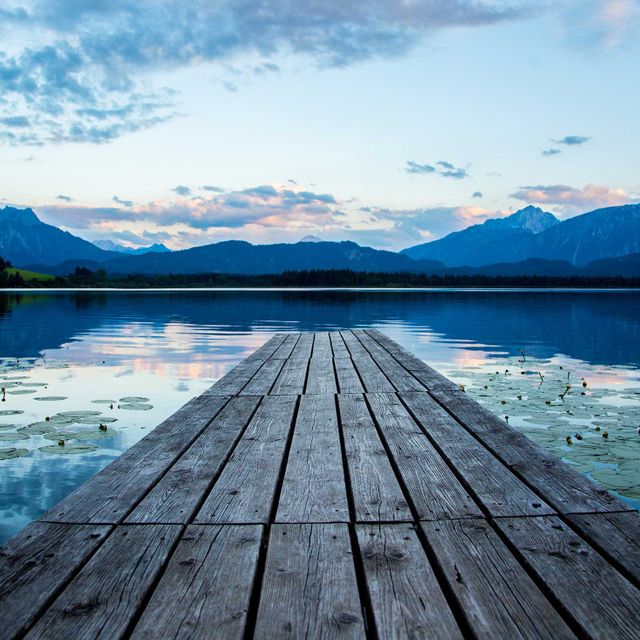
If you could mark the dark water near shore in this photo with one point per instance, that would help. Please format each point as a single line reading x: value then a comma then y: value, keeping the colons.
x: 161, y: 348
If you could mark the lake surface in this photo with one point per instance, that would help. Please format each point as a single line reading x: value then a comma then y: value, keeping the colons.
x: 127, y: 360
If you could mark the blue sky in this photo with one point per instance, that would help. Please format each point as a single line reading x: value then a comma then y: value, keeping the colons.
x: 386, y: 122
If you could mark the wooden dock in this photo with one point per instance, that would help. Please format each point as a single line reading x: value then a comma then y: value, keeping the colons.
x: 332, y: 485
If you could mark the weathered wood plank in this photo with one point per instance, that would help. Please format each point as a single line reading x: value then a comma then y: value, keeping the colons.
x: 337, y: 345
x: 353, y: 344
x: 264, y: 379
x: 405, y: 595
x: 313, y: 489
x: 206, y: 588
x: 496, y: 596
x: 321, y: 346
x: 303, y: 347
x: 377, y: 496
x: 372, y: 377
x: 36, y: 564
x: 103, y: 599
x: 111, y: 494
x: 401, y: 379
x: 615, y: 535
x: 432, y: 486
x: 321, y: 379
x: 284, y: 350
x: 245, y: 490
x: 232, y: 382
x: 292, y: 378
x: 348, y: 380
x: 268, y: 348
x: 309, y: 588
x: 600, y: 600
x: 492, y: 483
x: 177, y: 495
x: 563, y: 488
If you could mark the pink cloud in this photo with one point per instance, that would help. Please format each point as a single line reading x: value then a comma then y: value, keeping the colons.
x: 570, y: 199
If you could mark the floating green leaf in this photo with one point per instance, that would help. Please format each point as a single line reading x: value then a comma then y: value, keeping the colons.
x: 12, y: 436
x: 135, y: 406
x: 51, y: 398
x: 69, y: 449
x: 133, y: 400
x: 8, y: 454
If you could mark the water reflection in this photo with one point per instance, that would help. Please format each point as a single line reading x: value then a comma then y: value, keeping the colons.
x: 169, y: 346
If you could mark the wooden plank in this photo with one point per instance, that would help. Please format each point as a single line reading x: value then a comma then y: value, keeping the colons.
x: 232, y: 382
x: 36, y: 564
x: 264, y: 379
x: 245, y: 490
x: 268, y: 348
x: 206, y: 588
x: 321, y: 346
x: 284, y: 350
x: 338, y: 346
x: 313, y: 489
x: 111, y: 494
x: 372, y: 377
x: 600, y: 600
x: 405, y: 595
x: 615, y: 535
x: 291, y: 380
x: 494, y: 593
x: 401, y: 379
x: 562, y: 487
x: 432, y: 487
x: 322, y: 378
x: 492, y: 483
x: 377, y: 496
x: 347, y: 376
x: 103, y: 599
x: 177, y: 496
x: 303, y: 347
x: 309, y: 588
x: 353, y: 344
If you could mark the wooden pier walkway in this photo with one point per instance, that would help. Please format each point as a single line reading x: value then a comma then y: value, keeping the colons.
x: 332, y: 485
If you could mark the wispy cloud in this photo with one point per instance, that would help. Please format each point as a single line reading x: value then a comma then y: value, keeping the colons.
x: 78, y: 70
x: 477, y: 194
x: 572, y: 141
x: 551, y: 152
x: 414, y: 167
x: 441, y: 168
x: 64, y: 198
x: 572, y: 200
x: 182, y: 190
x: 120, y: 201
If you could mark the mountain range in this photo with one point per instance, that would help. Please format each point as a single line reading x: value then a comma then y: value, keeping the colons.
x: 528, y: 242
x: 109, y: 245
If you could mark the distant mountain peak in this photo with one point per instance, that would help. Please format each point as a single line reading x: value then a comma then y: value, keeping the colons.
x: 311, y: 239
x: 531, y: 218
x: 109, y: 245
x: 25, y: 217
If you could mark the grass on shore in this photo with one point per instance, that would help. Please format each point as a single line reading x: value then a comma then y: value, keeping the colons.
x: 30, y: 275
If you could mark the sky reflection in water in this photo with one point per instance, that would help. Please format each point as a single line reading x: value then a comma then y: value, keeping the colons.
x: 170, y: 346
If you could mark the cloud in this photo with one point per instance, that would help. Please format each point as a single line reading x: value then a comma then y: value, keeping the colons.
x: 210, y: 187
x: 15, y: 121
x: 414, y: 167
x: 572, y: 141
x: 182, y: 190
x: 64, y: 198
x: 477, y: 194
x: 572, y: 200
x: 124, y: 203
x: 79, y: 71
x: 605, y: 24
x: 551, y: 152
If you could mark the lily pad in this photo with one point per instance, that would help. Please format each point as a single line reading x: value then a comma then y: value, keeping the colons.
x: 82, y: 435
x: 36, y: 428
x: 11, y: 412
x: 21, y: 392
x: 9, y: 454
x: 12, y: 436
x: 51, y: 398
x: 133, y: 400
x: 104, y: 401
x: 3, y: 427
x: 97, y: 420
x: 79, y: 414
x: 69, y: 449
x: 140, y: 406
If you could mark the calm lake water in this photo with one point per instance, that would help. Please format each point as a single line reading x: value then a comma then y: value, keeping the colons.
x: 130, y: 359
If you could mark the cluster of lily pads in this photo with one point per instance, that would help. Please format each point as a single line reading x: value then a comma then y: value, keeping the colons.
x: 594, y: 429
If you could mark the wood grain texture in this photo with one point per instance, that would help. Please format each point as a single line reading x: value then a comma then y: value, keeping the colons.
x: 600, y: 600
x: 176, y: 497
x: 206, y: 588
x: 493, y: 484
x: 321, y: 379
x: 245, y: 490
x: 374, y: 380
x: 36, y: 564
x: 268, y: 348
x: 303, y: 347
x: 264, y: 378
x: 562, y: 487
x: 103, y: 599
x: 347, y: 376
x: 432, y: 487
x: 353, y: 345
x: 375, y: 490
x: 111, y: 494
x: 286, y: 347
x: 321, y: 346
x: 616, y: 535
x: 309, y: 587
x: 338, y: 346
x: 494, y: 593
x: 313, y: 489
x: 405, y: 595
x: 292, y: 378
